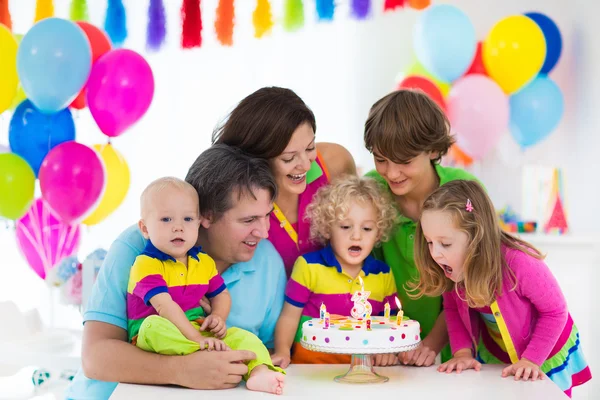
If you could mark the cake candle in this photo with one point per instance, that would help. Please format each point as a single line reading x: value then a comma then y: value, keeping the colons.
x: 368, y: 321
x: 322, y: 313
x: 326, y: 321
x: 386, y: 312
x: 400, y: 314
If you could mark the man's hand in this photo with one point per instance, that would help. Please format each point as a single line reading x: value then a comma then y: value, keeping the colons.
x: 385, y: 360
x: 211, y: 370
x: 422, y: 356
x: 210, y: 343
x: 215, y: 324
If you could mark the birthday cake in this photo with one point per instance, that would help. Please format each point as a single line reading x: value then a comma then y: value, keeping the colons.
x: 348, y: 335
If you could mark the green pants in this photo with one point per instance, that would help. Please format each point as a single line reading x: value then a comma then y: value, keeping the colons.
x: 159, y: 335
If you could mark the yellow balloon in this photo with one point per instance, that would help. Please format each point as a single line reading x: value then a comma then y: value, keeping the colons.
x: 117, y: 183
x: 418, y: 69
x: 8, y: 68
x: 514, y: 52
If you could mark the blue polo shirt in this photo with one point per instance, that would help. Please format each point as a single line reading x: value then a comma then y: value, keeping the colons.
x: 263, y: 274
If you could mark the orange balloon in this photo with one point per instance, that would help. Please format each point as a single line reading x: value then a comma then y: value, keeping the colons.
x: 419, y: 4
x: 460, y: 156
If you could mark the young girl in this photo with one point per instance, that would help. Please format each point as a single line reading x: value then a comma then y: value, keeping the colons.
x: 408, y: 135
x: 502, y: 303
x: 349, y: 216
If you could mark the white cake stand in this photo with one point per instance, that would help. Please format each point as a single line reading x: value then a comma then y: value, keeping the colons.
x: 361, y: 366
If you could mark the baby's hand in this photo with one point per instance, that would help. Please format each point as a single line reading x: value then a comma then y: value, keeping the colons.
x: 215, y: 324
x: 462, y: 360
x: 385, y: 360
x: 523, y: 368
x: 210, y: 343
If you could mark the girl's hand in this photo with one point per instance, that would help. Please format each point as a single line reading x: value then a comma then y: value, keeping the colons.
x: 281, y: 359
x: 385, y: 360
x: 422, y: 356
x: 463, y: 359
x: 525, y: 369
x: 210, y: 343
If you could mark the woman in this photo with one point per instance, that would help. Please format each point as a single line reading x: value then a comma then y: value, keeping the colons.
x: 275, y: 124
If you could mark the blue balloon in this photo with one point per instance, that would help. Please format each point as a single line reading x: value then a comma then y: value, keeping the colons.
x: 445, y: 42
x: 32, y: 134
x: 54, y: 61
x: 553, y: 40
x: 535, y: 111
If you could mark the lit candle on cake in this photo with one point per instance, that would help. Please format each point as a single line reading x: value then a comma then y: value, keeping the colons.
x: 400, y: 312
x: 387, y: 311
x: 322, y: 313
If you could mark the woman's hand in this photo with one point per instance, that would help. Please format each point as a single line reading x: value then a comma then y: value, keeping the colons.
x: 462, y: 360
x: 523, y: 369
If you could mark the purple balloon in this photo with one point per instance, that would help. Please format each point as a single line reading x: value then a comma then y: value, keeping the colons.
x: 72, y: 180
x: 43, y: 239
x: 120, y: 90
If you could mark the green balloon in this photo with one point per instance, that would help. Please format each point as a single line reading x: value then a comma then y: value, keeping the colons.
x: 17, y: 183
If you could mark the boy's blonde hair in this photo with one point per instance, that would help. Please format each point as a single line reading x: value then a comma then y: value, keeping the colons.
x: 406, y: 123
x: 332, y: 202
x: 160, y: 185
x: 484, y: 262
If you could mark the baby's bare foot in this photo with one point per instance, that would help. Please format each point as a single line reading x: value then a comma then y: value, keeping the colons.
x: 262, y: 379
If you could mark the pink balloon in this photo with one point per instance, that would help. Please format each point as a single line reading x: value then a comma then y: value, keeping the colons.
x: 72, y: 180
x: 479, y: 113
x: 120, y: 90
x: 43, y: 239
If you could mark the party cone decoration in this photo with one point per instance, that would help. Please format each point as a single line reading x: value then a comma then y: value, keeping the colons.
x: 44, y: 9
x: 361, y: 8
x: 293, y: 18
x: 262, y: 18
x: 325, y: 9
x: 157, y: 25
x: 115, y: 23
x: 79, y: 10
x: 391, y: 5
x: 5, y: 17
x: 224, y: 22
x: 419, y: 4
x: 191, y: 21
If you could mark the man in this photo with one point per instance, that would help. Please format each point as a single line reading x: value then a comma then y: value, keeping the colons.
x: 236, y: 198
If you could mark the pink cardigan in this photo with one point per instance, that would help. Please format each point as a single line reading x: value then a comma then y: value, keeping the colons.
x: 535, y: 312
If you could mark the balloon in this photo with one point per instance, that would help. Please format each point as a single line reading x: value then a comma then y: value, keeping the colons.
x: 419, y: 70
x: 427, y: 86
x: 54, y: 62
x: 514, y: 52
x: 43, y: 239
x: 535, y: 111
x: 100, y: 44
x: 72, y: 180
x: 17, y: 182
x: 477, y: 66
x: 117, y: 183
x: 8, y: 68
x: 63, y: 271
x: 32, y: 134
x: 553, y: 40
x: 120, y: 90
x: 444, y: 41
x: 478, y: 113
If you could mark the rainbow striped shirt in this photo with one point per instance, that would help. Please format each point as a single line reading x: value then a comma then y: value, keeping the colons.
x: 155, y: 272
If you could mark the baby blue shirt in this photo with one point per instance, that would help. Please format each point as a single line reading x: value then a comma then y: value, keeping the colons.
x: 257, y: 290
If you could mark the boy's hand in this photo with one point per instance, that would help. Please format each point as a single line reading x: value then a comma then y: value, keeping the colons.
x: 281, y: 359
x: 385, y: 360
x: 525, y: 369
x: 215, y: 324
x: 210, y: 343
x: 462, y: 360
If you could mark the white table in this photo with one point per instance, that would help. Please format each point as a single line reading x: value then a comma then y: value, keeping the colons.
x: 316, y: 381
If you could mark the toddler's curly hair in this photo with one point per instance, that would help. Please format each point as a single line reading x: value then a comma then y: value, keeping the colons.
x: 332, y: 202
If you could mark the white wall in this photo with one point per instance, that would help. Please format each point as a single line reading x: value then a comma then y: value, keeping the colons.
x: 339, y: 69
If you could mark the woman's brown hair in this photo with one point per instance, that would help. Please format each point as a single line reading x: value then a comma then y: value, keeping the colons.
x: 406, y: 123
x: 484, y: 265
x: 263, y: 123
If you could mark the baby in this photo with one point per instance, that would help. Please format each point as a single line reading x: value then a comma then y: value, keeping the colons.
x: 172, y: 275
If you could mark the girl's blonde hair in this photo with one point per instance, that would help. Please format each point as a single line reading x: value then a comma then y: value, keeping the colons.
x: 332, y: 202
x: 484, y: 262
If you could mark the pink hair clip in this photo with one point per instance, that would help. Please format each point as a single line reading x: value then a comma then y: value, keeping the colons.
x: 469, y: 206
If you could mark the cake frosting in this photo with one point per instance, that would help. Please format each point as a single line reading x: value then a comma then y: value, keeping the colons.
x: 347, y: 335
